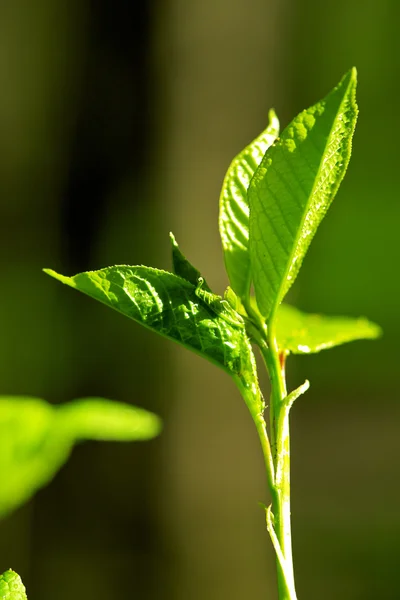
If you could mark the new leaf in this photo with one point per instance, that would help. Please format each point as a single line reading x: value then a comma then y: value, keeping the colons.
x: 293, y: 188
x: 234, y: 208
x: 183, y: 268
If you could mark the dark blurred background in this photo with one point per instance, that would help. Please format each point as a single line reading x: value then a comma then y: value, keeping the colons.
x: 118, y: 120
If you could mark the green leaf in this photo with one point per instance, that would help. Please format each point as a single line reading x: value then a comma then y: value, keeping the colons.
x: 36, y: 438
x: 302, y: 333
x: 234, y: 208
x: 229, y: 307
x: 167, y: 304
x: 99, y: 419
x: 11, y: 586
x: 183, y: 268
x: 178, y: 310
x: 293, y: 188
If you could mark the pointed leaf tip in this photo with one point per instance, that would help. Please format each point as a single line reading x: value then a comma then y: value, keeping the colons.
x: 234, y: 207
x: 354, y: 73
x: 182, y: 267
x: 293, y: 188
x: 11, y: 586
x: 273, y: 120
x: 67, y: 280
x: 350, y: 75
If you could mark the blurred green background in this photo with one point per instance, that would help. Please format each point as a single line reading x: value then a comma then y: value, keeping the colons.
x: 118, y: 120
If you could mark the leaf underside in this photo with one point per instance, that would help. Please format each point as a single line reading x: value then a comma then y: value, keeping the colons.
x: 293, y: 188
x: 234, y: 207
x: 36, y: 438
x: 301, y: 333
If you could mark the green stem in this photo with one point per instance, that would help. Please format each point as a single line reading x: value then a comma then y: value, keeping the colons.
x: 261, y: 427
x: 266, y: 448
x: 285, y: 585
x: 276, y: 453
x: 280, y: 439
x: 282, y: 506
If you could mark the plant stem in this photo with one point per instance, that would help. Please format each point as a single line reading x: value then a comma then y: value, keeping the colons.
x: 285, y: 580
x: 280, y: 440
x: 282, y: 505
x: 261, y: 427
x: 266, y: 448
x: 276, y: 449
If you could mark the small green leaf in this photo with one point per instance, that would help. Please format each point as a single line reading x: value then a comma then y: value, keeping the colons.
x: 99, y: 419
x: 234, y: 208
x: 302, y: 333
x: 293, y: 188
x: 226, y: 307
x: 11, y: 586
x: 36, y: 438
x: 183, y: 268
x: 178, y: 310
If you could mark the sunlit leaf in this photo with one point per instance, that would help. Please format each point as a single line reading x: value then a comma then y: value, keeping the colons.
x: 229, y: 307
x: 183, y: 268
x: 36, y: 438
x: 293, y: 188
x: 178, y: 310
x: 304, y: 333
x: 234, y: 207
x: 166, y: 304
x: 11, y: 586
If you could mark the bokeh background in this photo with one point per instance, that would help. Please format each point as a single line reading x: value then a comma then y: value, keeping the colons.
x: 118, y: 120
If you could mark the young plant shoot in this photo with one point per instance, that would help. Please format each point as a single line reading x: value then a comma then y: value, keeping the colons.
x: 274, y: 196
